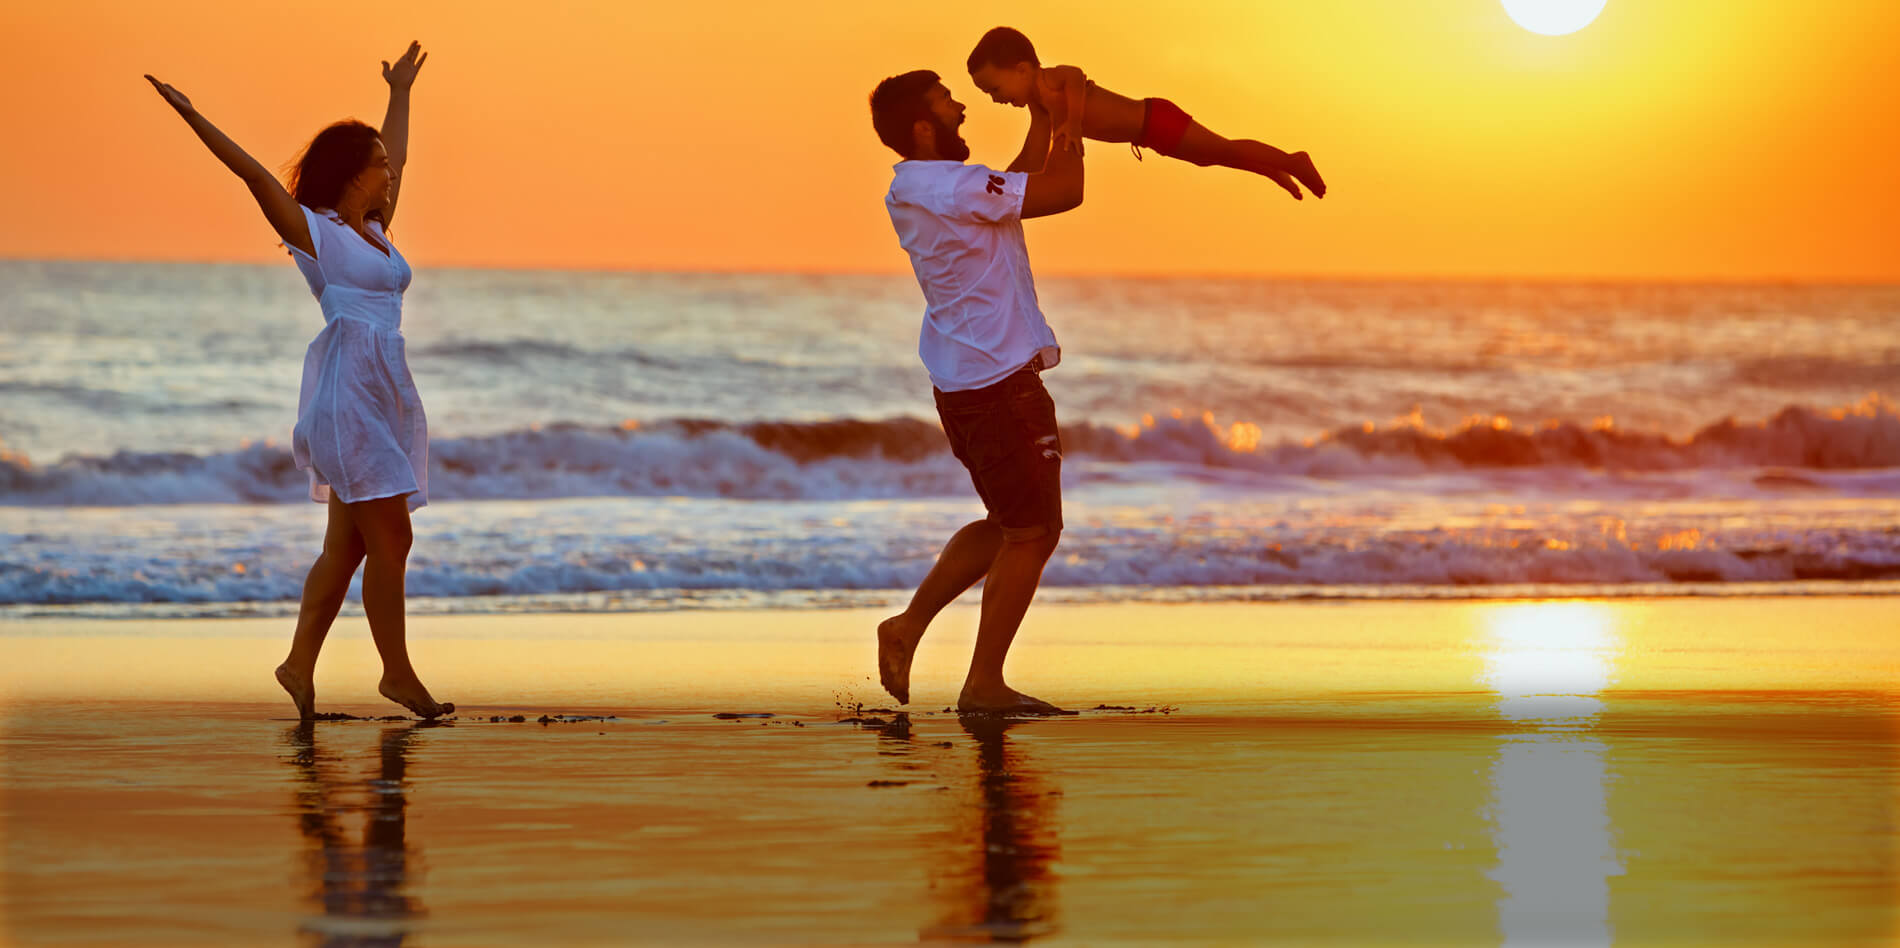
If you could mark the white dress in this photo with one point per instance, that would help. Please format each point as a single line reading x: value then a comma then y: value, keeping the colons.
x: 360, y: 429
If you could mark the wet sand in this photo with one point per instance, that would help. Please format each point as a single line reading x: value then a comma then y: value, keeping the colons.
x: 1635, y: 772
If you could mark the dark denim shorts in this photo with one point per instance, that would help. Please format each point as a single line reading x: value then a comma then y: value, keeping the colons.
x: 1005, y: 434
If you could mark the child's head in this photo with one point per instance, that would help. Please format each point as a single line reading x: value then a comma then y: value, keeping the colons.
x: 1003, y: 65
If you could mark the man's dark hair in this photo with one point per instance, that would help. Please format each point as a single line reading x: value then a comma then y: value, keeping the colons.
x: 897, y: 104
x: 1002, y: 47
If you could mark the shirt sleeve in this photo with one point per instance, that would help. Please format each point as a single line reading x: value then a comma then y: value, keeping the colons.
x: 980, y: 195
x: 311, y: 220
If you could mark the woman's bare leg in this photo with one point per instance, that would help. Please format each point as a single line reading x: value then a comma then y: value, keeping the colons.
x: 384, y: 526
x: 323, y: 591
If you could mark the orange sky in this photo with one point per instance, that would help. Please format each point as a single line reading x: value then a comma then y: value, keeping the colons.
x: 1693, y: 139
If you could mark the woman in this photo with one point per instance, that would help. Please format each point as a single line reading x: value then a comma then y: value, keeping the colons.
x: 360, y: 430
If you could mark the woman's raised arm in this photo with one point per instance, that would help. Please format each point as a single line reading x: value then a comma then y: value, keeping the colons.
x: 278, y: 206
x: 395, y: 130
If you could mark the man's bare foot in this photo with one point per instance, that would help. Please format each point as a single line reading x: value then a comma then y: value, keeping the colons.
x: 897, y: 642
x: 1301, y: 164
x: 1002, y: 700
x: 303, y: 691
x: 416, y: 698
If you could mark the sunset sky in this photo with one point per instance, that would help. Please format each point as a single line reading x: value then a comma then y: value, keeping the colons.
x: 1678, y: 140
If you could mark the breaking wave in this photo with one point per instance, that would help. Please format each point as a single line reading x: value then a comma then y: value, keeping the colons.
x: 907, y: 457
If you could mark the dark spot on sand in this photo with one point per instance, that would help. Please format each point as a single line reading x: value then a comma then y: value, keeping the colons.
x: 943, y: 744
x: 888, y: 783
x: 735, y: 715
x: 1784, y: 479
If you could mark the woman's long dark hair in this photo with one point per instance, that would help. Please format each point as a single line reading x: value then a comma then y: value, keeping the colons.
x: 337, y: 155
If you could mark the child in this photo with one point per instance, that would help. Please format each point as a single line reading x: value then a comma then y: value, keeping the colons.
x: 1004, y: 67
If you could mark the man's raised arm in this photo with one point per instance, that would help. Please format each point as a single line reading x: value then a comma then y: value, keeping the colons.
x: 1036, y: 143
x: 1058, y: 186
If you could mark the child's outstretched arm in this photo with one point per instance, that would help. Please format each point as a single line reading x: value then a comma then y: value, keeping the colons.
x: 1073, y: 86
x: 1035, y: 151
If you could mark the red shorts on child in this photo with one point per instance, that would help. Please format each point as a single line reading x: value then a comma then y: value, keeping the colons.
x: 1162, y: 125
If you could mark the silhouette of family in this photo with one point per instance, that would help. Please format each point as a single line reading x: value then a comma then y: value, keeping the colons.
x: 362, y: 436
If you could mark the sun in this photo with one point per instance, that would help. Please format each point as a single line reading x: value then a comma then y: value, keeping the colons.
x: 1553, y: 17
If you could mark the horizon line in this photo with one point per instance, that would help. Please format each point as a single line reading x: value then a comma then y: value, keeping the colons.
x: 1549, y: 279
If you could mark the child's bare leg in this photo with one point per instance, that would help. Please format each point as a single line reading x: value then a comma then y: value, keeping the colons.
x: 1202, y: 147
x: 1301, y: 165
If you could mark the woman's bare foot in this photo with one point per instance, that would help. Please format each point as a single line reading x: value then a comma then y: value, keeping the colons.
x: 897, y: 640
x: 412, y: 695
x: 303, y: 691
x: 1301, y: 164
x: 1002, y: 699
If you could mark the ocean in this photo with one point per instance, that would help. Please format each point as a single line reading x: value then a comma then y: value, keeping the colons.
x: 657, y: 441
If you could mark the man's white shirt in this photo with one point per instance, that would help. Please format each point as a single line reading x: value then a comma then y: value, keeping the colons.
x: 962, y: 226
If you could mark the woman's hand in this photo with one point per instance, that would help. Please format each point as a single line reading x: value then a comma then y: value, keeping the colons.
x: 403, y: 74
x: 173, y: 97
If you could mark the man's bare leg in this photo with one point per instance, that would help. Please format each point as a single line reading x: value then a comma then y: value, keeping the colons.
x: 323, y: 591
x: 384, y: 524
x: 1012, y: 583
x: 964, y: 560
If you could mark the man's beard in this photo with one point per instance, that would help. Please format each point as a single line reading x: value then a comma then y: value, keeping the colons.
x: 950, y: 145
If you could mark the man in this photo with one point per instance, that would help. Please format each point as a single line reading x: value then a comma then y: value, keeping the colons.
x: 984, y: 341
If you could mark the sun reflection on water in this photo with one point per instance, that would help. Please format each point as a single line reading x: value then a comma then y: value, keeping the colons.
x: 1548, y: 662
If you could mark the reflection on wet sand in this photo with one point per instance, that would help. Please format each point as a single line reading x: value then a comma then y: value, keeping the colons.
x: 1646, y: 773
x: 997, y: 882
x: 1548, y: 662
x: 362, y: 889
